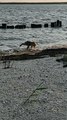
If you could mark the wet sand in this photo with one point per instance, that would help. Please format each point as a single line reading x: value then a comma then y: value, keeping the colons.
x: 33, y: 90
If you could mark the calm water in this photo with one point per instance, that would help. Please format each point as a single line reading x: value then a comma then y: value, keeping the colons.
x: 27, y: 14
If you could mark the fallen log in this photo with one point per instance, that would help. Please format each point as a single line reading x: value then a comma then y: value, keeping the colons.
x: 34, y: 54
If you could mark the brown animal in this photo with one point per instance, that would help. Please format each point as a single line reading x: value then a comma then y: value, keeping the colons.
x: 28, y: 44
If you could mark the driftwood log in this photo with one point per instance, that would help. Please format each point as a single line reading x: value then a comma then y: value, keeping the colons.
x: 33, y: 54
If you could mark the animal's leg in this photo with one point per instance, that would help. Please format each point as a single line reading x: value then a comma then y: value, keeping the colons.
x: 31, y: 46
x: 28, y: 47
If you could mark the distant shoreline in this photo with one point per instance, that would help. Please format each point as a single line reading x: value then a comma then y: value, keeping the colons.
x: 33, y: 2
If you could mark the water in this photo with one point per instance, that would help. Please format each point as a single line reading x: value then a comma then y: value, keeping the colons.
x: 13, y: 14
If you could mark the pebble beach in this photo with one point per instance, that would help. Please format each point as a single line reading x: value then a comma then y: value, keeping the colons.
x: 33, y: 84
x: 33, y: 90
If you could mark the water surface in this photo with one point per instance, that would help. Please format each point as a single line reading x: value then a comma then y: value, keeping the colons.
x: 13, y: 14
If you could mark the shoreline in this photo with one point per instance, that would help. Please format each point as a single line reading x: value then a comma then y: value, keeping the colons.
x: 33, y: 54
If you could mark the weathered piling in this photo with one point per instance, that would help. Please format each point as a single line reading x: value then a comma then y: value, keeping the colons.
x: 46, y: 25
x: 20, y: 26
x: 4, y: 25
x: 10, y: 27
x: 53, y: 24
x: 59, y: 23
x: 56, y: 24
x: 36, y: 26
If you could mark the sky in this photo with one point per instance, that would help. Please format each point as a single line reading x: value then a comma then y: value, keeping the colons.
x: 33, y: 0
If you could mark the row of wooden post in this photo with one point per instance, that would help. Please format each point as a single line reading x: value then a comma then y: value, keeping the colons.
x: 56, y: 24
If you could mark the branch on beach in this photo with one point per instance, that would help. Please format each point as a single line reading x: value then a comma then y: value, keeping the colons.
x: 32, y: 93
x: 7, y: 64
x: 16, y: 111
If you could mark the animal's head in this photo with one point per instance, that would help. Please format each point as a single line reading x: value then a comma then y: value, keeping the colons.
x: 33, y: 44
